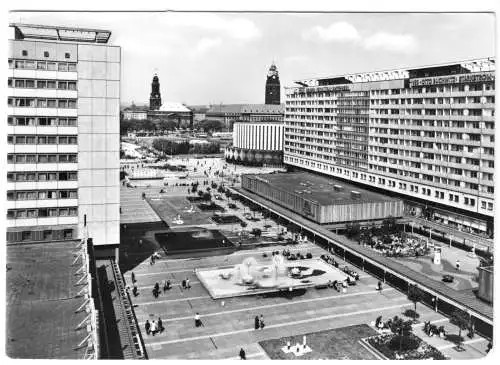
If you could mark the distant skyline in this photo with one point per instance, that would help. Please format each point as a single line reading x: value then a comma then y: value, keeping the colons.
x: 204, y: 58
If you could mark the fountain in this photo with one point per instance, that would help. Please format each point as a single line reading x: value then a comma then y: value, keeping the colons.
x: 257, y: 277
x: 177, y: 220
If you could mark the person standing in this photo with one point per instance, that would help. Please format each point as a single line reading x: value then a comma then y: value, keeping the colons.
x: 160, y: 325
x: 133, y: 277
x: 256, y: 322
x: 188, y: 286
x: 243, y: 355
x: 147, y: 326
x: 261, y: 322
x: 457, y: 265
x: 154, y: 328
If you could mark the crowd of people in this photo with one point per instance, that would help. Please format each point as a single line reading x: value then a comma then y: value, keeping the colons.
x: 400, y: 245
x: 154, y: 327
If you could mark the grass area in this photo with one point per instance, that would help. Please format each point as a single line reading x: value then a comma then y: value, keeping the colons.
x: 417, y: 348
x: 198, y: 239
x: 226, y: 219
x: 169, y: 207
x: 340, y: 343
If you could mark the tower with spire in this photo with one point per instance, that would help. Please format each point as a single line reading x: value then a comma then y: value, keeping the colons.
x: 273, y: 86
x: 155, y: 97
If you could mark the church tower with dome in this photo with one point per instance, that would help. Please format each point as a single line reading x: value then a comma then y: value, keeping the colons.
x: 273, y: 86
x: 155, y: 97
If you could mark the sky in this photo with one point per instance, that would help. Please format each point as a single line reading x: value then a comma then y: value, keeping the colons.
x: 212, y: 58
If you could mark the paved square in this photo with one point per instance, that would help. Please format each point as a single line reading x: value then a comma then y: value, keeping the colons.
x: 228, y: 323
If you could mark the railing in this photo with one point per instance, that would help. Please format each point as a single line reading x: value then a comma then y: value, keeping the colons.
x: 127, y: 313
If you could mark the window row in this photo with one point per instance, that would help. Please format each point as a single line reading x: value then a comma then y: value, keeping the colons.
x: 43, y: 65
x: 42, y: 176
x: 41, y: 84
x: 42, y: 194
x: 24, y: 52
x: 42, y: 121
x: 42, y: 158
x: 46, y: 139
x: 45, y: 235
x: 42, y: 213
x: 41, y: 103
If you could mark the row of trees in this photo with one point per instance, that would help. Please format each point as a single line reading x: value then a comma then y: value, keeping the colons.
x: 171, y: 147
x: 205, y: 125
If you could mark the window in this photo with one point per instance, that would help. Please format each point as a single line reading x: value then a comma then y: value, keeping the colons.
x: 62, y: 66
x: 40, y: 65
x: 45, y: 54
x: 67, y: 55
x: 26, y: 235
x: 51, y: 84
x: 24, y: 52
x: 41, y: 84
x: 51, y: 103
x: 51, y: 66
x: 72, y: 67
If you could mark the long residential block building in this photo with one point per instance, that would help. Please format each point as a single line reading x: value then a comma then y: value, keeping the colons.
x: 63, y: 135
x: 427, y: 133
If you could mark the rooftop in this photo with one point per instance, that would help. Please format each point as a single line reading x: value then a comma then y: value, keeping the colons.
x: 472, y: 65
x: 173, y: 107
x: 247, y: 109
x: 42, y: 300
x: 324, y: 191
x: 57, y: 33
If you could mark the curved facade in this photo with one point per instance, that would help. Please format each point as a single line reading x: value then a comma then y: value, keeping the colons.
x: 256, y: 143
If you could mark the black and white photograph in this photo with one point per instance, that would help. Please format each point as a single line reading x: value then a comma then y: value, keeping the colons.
x: 249, y: 182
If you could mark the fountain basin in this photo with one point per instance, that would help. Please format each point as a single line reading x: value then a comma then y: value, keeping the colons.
x: 262, y: 277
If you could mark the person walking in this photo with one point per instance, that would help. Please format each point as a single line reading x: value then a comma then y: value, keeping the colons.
x: 243, y: 355
x: 147, y: 326
x: 197, y: 320
x: 183, y: 284
x: 256, y: 322
x: 134, y: 291
x: 133, y: 277
x: 188, y: 286
x: 261, y: 322
x: 457, y: 265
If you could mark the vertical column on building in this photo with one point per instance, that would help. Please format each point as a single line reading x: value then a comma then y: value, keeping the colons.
x: 99, y: 142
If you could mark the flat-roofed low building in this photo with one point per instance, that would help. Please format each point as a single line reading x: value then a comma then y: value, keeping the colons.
x: 323, y: 200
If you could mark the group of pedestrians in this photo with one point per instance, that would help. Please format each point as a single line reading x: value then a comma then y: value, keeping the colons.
x: 154, y: 327
x: 259, y: 322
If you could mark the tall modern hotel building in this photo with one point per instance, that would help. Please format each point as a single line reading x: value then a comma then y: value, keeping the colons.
x: 63, y: 135
x: 427, y: 133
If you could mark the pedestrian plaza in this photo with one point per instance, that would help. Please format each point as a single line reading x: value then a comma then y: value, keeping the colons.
x: 228, y: 322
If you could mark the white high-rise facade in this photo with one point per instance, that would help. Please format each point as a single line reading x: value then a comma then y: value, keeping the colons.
x: 426, y: 133
x: 63, y: 135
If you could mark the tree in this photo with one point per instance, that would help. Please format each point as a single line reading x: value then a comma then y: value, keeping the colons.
x: 415, y: 295
x: 388, y: 225
x: 402, y: 329
x: 257, y: 232
x: 211, y: 125
x: 461, y: 320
